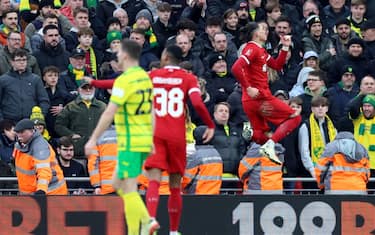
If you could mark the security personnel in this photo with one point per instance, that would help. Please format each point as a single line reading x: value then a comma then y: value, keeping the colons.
x: 204, y: 167
x: 343, y: 168
x: 259, y: 174
x: 37, y: 169
x: 102, y: 164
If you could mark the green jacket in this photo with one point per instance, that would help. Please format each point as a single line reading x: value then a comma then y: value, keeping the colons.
x: 76, y: 118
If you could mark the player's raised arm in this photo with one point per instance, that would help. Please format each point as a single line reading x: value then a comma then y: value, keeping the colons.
x: 279, y: 62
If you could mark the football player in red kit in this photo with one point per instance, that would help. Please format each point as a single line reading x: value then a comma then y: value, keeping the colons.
x: 260, y: 106
x: 172, y: 87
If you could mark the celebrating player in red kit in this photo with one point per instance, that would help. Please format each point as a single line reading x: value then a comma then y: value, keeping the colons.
x: 172, y: 87
x: 259, y: 105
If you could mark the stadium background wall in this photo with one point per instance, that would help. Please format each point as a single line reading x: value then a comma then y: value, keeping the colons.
x: 203, y: 215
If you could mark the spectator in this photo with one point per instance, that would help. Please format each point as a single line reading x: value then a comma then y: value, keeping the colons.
x: 10, y: 24
x: 231, y: 25
x: 242, y: 10
x: 273, y: 12
x: 357, y: 15
x: 367, y: 85
x: 315, y: 88
x: 7, y: 140
x: 5, y: 5
x: 256, y: 13
x: 354, y: 57
x: 79, y: 117
x: 220, y: 82
x: 310, y: 63
x: 237, y: 117
x: 39, y: 122
x: 93, y: 56
x: 69, y: 166
x: 220, y: 45
x: 122, y: 15
x: 32, y: 153
x: 259, y: 174
x: 317, y: 131
x: 37, y: 37
x: 341, y: 93
x: 20, y: 90
x: 204, y: 167
x: 46, y: 8
x: 343, y: 36
x: 143, y: 21
x: 183, y: 41
x: 102, y: 165
x: 72, y: 78
x: 58, y: 97
x: 187, y: 27
x: 362, y: 112
x: 218, y: 7
x: 81, y: 19
x: 147, y: 56
x: 316, y: 41
x: 162, y: 27
x: 227, y: 140
x: 14, y: 43
x: 51, y: 51
x: 368, y: 34
x: 343, y: 168
x: 109, y: 67
x: 335, y: 10
x: 68, y: 9
x: 106, y: 8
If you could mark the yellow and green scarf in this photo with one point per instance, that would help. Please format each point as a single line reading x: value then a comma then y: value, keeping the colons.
x: 93, y: 66
x: 317, y: 140
x: 152, y: 39
x: 25, y: 5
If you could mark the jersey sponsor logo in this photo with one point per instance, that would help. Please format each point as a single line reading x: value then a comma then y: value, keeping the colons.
x: 118, y: 92
x: 170, y: 81
x: 169, y: 102
x: 248, y: 52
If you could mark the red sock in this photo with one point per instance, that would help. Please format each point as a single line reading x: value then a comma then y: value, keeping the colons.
x: 174, y: 208
x: 285, y: 128
x: 152, y: 197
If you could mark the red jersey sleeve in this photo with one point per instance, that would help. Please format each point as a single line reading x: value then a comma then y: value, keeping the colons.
x: 103, y: 84
x: 239, y: 70
x: 279, y: 62
x: 196, y: 100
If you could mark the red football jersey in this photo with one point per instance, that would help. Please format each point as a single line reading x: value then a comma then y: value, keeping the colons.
x: 257, y: 60
x: 172, y: 86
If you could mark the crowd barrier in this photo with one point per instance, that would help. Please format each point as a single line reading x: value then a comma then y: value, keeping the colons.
x: 202, y: 215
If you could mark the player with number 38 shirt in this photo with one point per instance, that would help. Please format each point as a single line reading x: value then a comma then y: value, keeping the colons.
x: 172, y: 87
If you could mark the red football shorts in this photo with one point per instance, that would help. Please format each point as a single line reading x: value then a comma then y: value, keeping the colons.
x: 268, y: 109
x: 169, y: 155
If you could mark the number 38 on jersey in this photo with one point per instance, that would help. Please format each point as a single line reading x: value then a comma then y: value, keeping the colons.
x: 169, y: 102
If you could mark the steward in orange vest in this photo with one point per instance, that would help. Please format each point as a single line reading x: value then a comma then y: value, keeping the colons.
x: 102, y: 165
x: 204, y: 167
x: 259, y: 174
x: 37, y: 169
x: 344, y: 166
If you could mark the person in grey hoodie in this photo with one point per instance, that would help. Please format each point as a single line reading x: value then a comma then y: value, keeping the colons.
x: 343, y: 168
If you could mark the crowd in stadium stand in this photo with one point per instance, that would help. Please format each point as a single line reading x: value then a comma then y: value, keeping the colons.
x: 51, y: 50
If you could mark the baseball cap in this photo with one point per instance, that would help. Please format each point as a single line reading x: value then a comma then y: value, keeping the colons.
x: 215, y: 58
x: 84, y: 83
x: 77, y: 52
x: 24, y: 124
x: 282, y: 93
x: 198, y: 134
x: 242, y: 5
x: 309, y: 54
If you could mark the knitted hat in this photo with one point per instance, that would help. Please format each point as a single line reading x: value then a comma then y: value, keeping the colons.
x: 113, y: 35
x: 24, y: 124
x: 347, y: 69
x: 358, y: 41
x: 144, y: 13
x: 215, y: 58
x: 37, y: 116
x: 45, y: 3
x: 312, y: 20
x: 198, y: 134
x: 345, y: 124
x: 369, y: 99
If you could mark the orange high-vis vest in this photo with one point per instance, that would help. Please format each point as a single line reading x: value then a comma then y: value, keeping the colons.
x: 340, y: 173
x: 204, y: 171
x: 102, y: 165
x: 38, y: 169
x: 164, y: 183
x: 259, y: 174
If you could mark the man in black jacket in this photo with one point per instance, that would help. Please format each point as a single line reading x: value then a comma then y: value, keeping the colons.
x: 21, y: 90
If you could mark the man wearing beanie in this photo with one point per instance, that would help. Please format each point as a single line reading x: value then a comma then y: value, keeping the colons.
x: 316, y: 41
x: 204, y: 167
x: 355, y: 57
x: 109, y: 67
x: 144, y: 21
x: 364, y: 122
x: 343, y: 168
x: 342, y: 36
